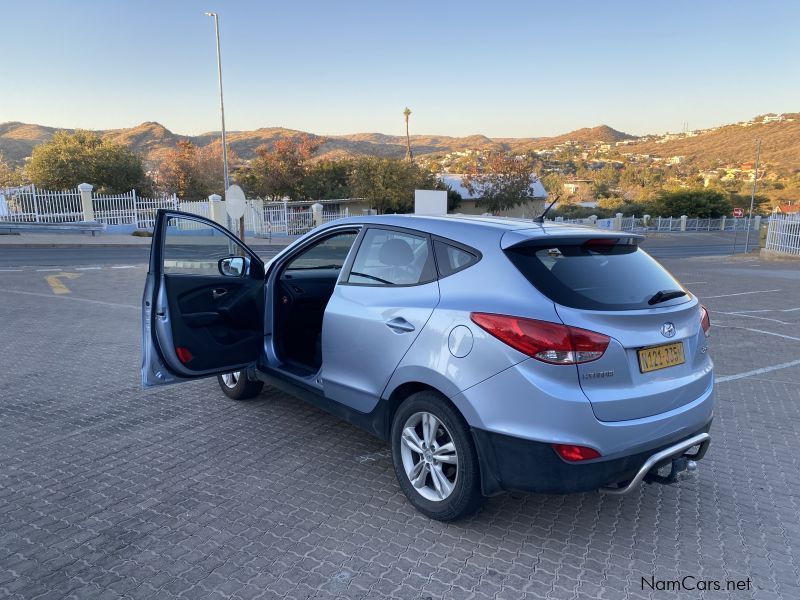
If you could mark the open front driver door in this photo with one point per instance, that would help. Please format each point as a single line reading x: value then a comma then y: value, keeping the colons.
x: 203, y: 304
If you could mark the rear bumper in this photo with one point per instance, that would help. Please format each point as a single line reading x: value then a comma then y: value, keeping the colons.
x: 510, y: 463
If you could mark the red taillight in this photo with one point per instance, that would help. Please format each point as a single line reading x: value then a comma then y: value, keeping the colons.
x: 549, y: 342
x: 705, y: 320
x: 183, y: 354
x: 574, y: 453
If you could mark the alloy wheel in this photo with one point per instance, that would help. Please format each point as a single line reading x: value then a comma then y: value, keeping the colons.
x: 231, y: 379
x: 429, y: 456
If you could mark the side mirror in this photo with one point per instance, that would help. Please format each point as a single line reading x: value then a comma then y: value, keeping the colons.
x: 232, y: 266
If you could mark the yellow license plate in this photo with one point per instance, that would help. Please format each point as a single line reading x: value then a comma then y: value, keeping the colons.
x: 661, y: 357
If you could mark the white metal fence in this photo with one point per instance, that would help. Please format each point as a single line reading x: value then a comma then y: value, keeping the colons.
x: 115, y: 209
x: 30, y: 205
x: 264, y: 219
x: 146, y: 208
x: 332, y: 215
x: 783, y: 234
x: 633, y: 223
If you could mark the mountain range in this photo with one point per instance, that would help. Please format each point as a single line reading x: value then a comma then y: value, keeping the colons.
x: 730, y: 144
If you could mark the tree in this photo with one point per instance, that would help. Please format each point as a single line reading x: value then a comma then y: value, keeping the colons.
x: 409, y: 154
x: 453, y: 197
x: 605, y: 180
x: 388, y: 184
x: 327, y: 180
x: 760, y: 203
x: 502, y: 181
x: 554, y: 182
x: 10, y: 176
x: 639, y: 182
x: 83, y: 157
x: 193, y: 173
x: 702, y: 203
x: 280, y: 171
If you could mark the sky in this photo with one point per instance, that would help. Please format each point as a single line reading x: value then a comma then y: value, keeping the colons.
x: 499, y: 68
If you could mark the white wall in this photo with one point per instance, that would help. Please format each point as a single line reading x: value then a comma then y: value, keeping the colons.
x: 430, y: 202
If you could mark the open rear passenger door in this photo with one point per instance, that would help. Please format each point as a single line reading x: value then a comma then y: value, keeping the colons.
x: 203, y: 304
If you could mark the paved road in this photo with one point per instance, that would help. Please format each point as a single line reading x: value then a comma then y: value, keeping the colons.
x: 660, y: 245
x: 15, y: 257
x: 110, y: 491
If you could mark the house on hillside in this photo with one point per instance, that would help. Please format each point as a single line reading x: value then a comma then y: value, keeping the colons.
x: 469, y: 202
x: 576, y: 186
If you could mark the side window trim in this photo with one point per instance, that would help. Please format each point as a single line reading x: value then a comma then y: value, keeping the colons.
x: 468, y: 249
x: 345, y: 274
x: 324, y: 235
x: 156, y: 264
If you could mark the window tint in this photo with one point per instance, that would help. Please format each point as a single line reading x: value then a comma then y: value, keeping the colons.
x: 392, y: 258
x: 595, y: 274
x: 451, y: 259
x: 330, y: 253
x: 194, y: 248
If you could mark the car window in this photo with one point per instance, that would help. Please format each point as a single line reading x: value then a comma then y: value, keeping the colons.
x: 195, y: 248
x: 606, y: 274
x: 388, y: 257
x: 330, y: 253
x: 451, y: 259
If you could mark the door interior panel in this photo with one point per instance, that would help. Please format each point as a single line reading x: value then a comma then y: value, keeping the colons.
x: 216, y: 318
x: 301, y: 298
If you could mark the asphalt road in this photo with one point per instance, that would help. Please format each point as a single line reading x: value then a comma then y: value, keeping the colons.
x: 11, y: 256
x: 109, y: 491
x: 660, y: 245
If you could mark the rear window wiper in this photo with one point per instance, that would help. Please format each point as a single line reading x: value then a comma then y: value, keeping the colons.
x: 663, y: 296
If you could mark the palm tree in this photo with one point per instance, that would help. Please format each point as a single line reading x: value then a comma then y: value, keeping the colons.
x: 409, y: 154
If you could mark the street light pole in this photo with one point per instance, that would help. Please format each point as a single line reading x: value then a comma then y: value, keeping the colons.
x: 752, y: 199
x: 221, y: 101
x: 222, y: 114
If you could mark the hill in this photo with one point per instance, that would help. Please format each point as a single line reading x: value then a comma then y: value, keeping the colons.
x: 735, y: 144
x: 726, y: 145
x: 151, y: 139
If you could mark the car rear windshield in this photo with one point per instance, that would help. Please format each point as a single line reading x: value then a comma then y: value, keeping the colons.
x: 596, y: 274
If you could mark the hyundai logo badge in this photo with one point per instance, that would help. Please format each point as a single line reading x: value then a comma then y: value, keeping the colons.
x: 668, y: 330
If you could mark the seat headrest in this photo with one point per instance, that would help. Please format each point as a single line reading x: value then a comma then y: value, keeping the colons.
x: 396, y: 253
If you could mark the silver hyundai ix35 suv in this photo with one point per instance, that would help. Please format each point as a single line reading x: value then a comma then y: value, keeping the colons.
x: 491, y: 354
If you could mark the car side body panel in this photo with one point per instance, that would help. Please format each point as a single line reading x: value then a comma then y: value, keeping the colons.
x: 360, y: 351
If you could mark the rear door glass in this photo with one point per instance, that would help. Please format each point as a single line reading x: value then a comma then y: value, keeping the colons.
x: 388, y: 257
x: 595, y: 274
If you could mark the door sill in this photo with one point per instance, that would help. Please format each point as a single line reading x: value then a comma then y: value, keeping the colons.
x: 297, y: 369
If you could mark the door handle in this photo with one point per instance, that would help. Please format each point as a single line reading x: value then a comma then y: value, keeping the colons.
x: 218, y: 293
x: 400, y: 325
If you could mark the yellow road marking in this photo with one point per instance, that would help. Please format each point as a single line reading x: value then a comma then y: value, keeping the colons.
x: 57, y: 285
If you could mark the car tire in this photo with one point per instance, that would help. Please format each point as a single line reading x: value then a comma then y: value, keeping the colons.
x: 237, y: 386
x: 454, y: 490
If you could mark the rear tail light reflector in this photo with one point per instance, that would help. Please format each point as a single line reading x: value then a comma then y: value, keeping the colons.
x: 573, y: 453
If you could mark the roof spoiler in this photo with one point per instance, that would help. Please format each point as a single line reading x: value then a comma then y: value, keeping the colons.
x: 575, y: 234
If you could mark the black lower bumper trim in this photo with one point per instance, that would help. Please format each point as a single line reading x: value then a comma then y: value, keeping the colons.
x: 509, y: 463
